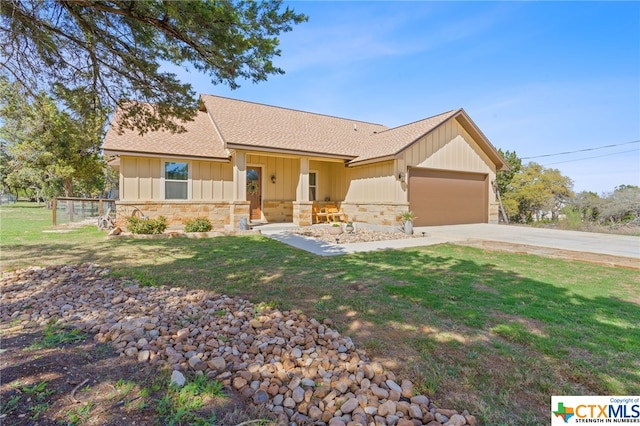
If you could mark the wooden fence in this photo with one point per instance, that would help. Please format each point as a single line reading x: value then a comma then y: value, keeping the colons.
x: 70, y: 210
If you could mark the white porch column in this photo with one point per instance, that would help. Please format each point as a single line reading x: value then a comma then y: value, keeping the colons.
x: 240, y: 176
x: 302, y: 194
x: 302, y: 207
x: 239, y: 208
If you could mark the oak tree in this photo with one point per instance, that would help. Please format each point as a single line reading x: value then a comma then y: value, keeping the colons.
x: 537, y: 193
x: 119, y: 50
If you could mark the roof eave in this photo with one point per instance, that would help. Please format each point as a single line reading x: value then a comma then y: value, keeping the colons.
x: 164, y: 155
x: 294, y: 152
x: 356, y: 162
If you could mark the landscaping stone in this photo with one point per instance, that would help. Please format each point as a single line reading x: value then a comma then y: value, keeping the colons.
x: 456, y: 420
x: 301, y: 369
x: 177, y: 378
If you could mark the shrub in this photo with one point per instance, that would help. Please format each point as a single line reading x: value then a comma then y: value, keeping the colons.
x: 137, y: 225
x: 573, y: 219
x: 408, y: 216
x: 199, y: 224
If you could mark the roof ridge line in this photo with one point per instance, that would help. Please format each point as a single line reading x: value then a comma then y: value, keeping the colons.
x: 422, y: 119
x: 296, y: 110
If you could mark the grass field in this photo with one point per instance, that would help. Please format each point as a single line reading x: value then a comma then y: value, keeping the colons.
x: 491, y: 332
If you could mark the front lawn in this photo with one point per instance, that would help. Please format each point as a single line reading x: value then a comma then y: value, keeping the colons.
x: 491, y: 332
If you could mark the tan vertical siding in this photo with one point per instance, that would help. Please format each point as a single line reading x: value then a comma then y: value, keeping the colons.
x: 129, y: 172
x: 372, y: 183
x: 331, y: 180
x: 140, y: 178
x: 211, y: 181
x: 449, y: 147
x: 286, y: 171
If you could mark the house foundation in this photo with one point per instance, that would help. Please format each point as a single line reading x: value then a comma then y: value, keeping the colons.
x: 176, y: 212
x: 386, y: 214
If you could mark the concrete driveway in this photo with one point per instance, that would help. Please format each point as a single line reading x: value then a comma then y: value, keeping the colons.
x: 584, y: 242
x: 609, y: 249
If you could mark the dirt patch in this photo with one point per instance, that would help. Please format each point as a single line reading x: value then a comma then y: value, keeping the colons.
x: 596, y: 258
x: 88, y: 383
x: 482, y: 287
x: 54, y: 385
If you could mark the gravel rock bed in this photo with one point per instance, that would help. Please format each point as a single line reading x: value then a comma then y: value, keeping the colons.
x: 360, y: 235
x: 301, y: 369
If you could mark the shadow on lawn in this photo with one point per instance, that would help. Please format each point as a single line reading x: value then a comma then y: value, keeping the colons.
x: 580, y: 343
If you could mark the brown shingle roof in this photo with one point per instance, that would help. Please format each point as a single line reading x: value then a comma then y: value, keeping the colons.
x: 256, y: 125
x: 393, y: 141
x: 199, y: 140
x: 229, y: 123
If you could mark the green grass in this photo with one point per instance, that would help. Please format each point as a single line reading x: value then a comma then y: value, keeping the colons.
x: 492, y: 332
x: 181, y: 405
x: 55, y: 335
x: 80, y: 415
x: 9, y: 405
x: 38, y: 393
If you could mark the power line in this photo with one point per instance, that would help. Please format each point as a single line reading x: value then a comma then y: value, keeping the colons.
x: 595, y: 156
x: 581, y: 150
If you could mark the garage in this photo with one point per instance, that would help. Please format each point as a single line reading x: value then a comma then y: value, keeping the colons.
x: 442, y: 197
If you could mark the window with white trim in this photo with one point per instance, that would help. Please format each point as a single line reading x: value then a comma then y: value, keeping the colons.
x: 176, y: 180
x: 313, y: 186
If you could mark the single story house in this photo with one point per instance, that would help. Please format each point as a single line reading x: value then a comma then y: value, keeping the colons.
x: 240, y: 159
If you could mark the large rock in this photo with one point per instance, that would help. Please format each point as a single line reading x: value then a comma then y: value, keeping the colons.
x: 302, y: 369
x: 349, y: 406
x: 387, y: 408
x: 177, y: 378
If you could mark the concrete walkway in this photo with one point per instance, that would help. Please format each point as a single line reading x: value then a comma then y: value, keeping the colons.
x: 585, y: 242
x: 322, y: 248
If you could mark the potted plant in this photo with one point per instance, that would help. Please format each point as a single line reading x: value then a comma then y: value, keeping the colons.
x: 407, y: 221
x: 349, y: 227
x: 335, y: 229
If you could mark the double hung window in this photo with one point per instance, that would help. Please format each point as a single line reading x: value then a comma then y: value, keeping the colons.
x: 176, y: 180
x: 313, y: 186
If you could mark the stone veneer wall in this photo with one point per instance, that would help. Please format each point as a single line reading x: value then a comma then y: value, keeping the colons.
x: 494, y: 213
x: 275, y: 211
x: 175, y: 211
x: 238, y: 211
x: 387, y: 214
x: 302, y: 213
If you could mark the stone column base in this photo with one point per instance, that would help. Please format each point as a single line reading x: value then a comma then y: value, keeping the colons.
x: 302, y: 213
x: 239, y: 210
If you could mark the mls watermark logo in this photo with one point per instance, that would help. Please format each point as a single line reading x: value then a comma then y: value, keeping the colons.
x: 569, y: 410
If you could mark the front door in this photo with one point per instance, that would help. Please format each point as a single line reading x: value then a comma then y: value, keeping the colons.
x: 254, y: 191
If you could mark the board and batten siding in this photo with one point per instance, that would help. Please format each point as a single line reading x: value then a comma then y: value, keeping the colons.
x: 332, y: 179
x: 373, y: 183
x: 286, y: 171
x: 449, y: 147
x: 141, y: 179
x: 211, y: 181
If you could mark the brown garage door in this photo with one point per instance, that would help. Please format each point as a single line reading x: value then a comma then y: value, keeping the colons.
x: 441, y: 197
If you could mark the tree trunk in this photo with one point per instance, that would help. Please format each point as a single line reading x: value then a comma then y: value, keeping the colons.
x: 68, y: 187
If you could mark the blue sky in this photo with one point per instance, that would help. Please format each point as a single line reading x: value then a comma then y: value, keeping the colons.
x: 536, y: 77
